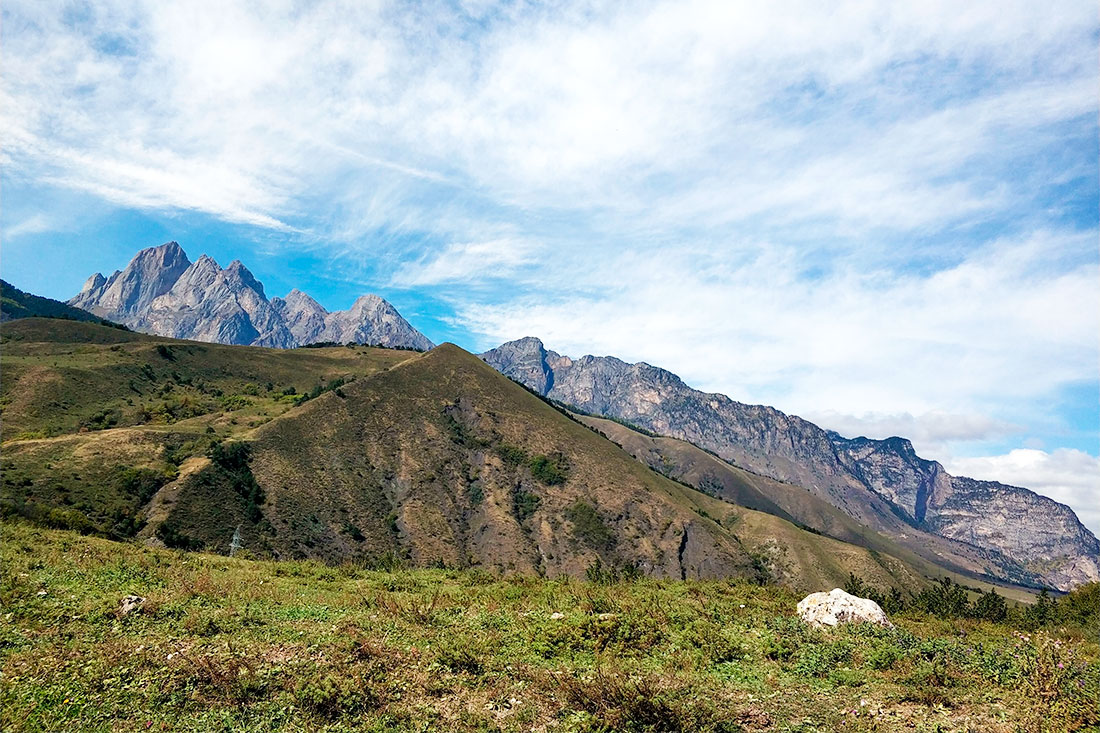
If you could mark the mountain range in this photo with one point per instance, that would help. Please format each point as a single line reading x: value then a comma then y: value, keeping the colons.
x: 162, y: 292
x: 875, y: 494
x: 1010, y: 532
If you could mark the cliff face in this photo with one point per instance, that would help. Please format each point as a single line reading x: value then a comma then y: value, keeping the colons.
x: 1014, y: 533
x: 164, y: 293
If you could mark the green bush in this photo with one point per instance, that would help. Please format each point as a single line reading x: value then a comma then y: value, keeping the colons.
x: 550, y: 470
x: 589, y: 527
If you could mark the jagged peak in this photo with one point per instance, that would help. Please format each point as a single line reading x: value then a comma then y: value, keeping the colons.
x: 367, y: 301
x: 167, y: 252
x: 525, y: 344
x: 300, y: 299
x: 238, y: 271
x: 93, y: 282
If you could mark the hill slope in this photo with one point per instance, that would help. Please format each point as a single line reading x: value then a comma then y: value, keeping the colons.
x: 14, y: 304
x: 1014, y: 533
x: 436, y: 458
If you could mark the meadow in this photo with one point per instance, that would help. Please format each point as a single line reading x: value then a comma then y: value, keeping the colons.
x: 238, y: 644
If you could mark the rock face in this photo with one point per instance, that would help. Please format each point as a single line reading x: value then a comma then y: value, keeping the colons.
x: 164, y: 293
x: 1012, y: 533
x: 837, y: 607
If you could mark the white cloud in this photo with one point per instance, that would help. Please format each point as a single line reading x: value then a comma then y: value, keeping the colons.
x: 707, y: 112
x: 465, y: 261
x: 1065, y: 475
x: 930, y: 432
x: 33, y: 224
x: 1001, y: 325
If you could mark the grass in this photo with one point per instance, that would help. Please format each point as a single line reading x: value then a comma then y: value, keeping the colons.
x: 61, y: 377
x: 236, y: 644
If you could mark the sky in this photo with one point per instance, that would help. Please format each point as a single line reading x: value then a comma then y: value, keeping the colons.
x: 880, y: 216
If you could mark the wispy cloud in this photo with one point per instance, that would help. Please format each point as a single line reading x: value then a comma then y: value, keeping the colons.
x: 462, y: 262
x: 33, y: 224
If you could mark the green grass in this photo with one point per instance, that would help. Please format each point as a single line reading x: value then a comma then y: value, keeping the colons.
x: 61, y: 377
x: 234, y: 644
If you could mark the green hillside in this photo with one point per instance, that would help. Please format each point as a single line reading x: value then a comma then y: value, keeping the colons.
x: 14, y: 303
x: 433, y: 459
x: 230, y: 644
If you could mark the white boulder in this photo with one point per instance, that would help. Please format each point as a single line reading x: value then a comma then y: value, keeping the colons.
x: 837, y: 607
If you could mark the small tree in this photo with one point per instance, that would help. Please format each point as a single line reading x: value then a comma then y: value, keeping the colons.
x: 990, y: 607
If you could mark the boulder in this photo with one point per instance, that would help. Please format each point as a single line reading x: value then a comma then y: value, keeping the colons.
x: 837, y: 607
x: 131, y: 604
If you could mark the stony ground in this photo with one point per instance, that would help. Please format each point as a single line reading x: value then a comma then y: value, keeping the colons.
x: 231, y: 644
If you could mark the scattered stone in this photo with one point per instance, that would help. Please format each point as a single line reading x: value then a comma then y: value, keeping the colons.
x: 837, y: 607
x: 557, y: 616
x: 131, y: 604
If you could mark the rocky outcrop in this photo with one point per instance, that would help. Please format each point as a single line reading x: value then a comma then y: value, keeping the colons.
x: 881, y: 483
x: 164, y: 293
x: 128, y: 293
x: 837, y: 607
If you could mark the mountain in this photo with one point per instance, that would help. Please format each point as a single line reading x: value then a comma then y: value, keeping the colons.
x: 1014, y: 534
x: 14, y: 303
x: 363, y: 455
x: 162, y: 292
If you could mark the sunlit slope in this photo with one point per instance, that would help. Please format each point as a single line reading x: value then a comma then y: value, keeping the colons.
x: 422, y: 458
x: 60, y: 376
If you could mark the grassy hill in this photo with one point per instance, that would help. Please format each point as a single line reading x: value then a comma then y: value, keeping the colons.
x: 434, y: 459
x: 233, y: 644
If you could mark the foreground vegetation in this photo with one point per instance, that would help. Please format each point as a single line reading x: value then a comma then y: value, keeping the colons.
x: 233, y: 644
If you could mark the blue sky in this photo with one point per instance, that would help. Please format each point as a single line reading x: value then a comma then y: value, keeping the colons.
x: 880, y: 216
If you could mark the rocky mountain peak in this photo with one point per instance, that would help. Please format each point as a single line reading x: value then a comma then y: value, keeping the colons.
x: 93, y: 283
x: 524, y: 360
x: 238, y: 273
x: 367, y: 303
x: 150, y: 274
x: 162, y: 292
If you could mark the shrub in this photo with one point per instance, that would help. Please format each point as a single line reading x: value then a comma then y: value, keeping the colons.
x: 510, y: 454
x: 549, y: 470
x: 946, y: 599
x: 524, y: 503
x: 990, y: 607
x: 171, y: 536
x: 333, y: 696
x: 589, y: 527
x: 820, y: 659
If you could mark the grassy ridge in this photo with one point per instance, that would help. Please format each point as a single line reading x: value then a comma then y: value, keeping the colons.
x: 235, y: 644
x: 15, y: 304
x: 62, y: 377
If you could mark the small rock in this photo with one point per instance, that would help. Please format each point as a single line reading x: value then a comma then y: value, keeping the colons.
x: 837, y: 607
x: 130, y: 604
x: 557, y: 615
